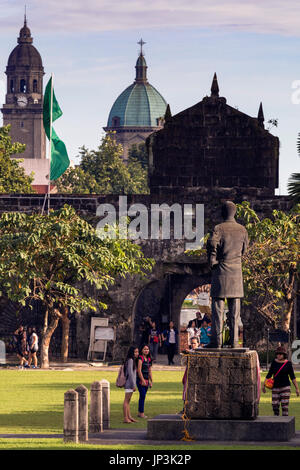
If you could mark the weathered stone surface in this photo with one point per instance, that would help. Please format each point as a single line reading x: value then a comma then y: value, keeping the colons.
x: 222, y: 384
x: 263, y: 428
x: 71, y: 416
x: 82, y: 392
x: 212, y: 144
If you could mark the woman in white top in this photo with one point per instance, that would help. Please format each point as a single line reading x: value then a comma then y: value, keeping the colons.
x: 130, y: 366
x: 170, y: 336
x: 192, y: 331
x: 33, y: 348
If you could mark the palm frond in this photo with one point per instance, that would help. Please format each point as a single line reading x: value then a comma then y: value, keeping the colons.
x: 294, y: 186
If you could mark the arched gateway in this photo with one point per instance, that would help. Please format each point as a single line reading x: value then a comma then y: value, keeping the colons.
x: 162, y: 298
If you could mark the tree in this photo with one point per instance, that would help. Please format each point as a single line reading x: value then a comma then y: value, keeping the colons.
x: 271, y: 265
x: 103, y: 171
x: 138, y: 168
x: 139, y: 153
x: 47, y: 258
x: 77, y: 181
x: 12, y: 176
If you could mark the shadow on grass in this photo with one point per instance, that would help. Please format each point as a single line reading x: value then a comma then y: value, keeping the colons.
x: 32, y: 421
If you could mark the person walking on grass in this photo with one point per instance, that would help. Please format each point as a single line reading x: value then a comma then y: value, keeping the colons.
x: 282, y: 369
x: 130, y: 368
x: 33, y: 343
x: 21, y: 346
x: 144, y: 377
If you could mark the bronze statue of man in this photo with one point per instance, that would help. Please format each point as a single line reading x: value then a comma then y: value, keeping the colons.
x: 226, y: 245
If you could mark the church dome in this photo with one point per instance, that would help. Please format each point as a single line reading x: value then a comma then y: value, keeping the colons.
x: 25, y: 54
x: 140, y: 104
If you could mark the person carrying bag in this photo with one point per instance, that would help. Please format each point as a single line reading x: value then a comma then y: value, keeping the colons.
x: 282, y: 371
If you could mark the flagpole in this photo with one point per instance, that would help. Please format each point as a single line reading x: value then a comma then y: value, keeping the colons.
x: 47, y: 194
x: 50, y: 141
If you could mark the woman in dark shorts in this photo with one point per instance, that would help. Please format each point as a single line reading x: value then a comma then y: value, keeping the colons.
x: 281, y: 391
x: 21, y: 346
x: 144, y: 377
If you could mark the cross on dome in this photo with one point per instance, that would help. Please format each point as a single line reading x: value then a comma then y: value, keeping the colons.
x: 141, y: 43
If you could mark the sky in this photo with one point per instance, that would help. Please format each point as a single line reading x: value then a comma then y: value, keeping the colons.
x: 91, y: 49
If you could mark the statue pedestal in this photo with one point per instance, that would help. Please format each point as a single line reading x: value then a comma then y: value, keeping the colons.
x: 222, y: 384
x: 262, y: 429
x: 222, y: 395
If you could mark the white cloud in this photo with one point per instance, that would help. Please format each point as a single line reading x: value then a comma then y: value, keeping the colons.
x: 262, y: 16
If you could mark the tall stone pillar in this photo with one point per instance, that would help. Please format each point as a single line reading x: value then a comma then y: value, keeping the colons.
x: 71, y: 416
x: 105, y: 386
x: 96, y: 408
x: 82, y: 413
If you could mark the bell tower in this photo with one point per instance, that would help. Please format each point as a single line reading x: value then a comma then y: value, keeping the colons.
x: 23, y: 108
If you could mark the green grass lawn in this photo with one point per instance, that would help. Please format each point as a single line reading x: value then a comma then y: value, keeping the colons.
x: 31, y: 402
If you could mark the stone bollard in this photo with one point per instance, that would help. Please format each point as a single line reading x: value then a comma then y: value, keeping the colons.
x: 105, y: 403
x: 96, y: 414
x: 71, y: 416
x: 82, y: 413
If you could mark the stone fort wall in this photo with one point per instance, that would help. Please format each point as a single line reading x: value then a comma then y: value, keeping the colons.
x: 172, y: 278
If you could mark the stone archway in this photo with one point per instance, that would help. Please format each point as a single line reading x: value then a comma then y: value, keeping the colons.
x: 162, y: 298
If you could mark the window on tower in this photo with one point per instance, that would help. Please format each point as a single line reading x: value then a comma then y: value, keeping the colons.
x: 12, y: 87
x: 23, y: 86
x: 34, y: 86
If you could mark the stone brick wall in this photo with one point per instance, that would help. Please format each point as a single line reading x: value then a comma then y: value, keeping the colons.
x: 222, y: 385
x: 212, y: 144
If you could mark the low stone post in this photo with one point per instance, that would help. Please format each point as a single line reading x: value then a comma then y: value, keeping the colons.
x: 82, y: 413
x: 71, y: 416
x: 105, y: 403
x: 96, y: 413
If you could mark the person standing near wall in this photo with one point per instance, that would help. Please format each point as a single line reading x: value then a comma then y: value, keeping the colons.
x: 144, y: 377
x: 154, y: 340
x: 195, y: 344
x: 205, y: 333
x: 170, y: 336
x: 192, y: 331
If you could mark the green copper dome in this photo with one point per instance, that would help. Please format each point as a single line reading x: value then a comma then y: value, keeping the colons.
x: 138, y: 105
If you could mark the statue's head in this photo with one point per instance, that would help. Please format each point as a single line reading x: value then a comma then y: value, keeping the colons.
x: 228, y: 210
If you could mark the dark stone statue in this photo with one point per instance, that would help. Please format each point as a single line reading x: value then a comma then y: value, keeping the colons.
x: 226, y: 245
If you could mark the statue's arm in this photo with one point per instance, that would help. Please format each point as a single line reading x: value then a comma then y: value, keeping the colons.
x: 212, y: 247
x: 245, y: 244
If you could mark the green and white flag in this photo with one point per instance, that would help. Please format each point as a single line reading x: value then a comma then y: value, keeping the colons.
x: 59, y: 160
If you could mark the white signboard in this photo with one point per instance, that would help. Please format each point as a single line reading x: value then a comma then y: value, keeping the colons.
x: 107, y: 334
x: 203, y: 298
